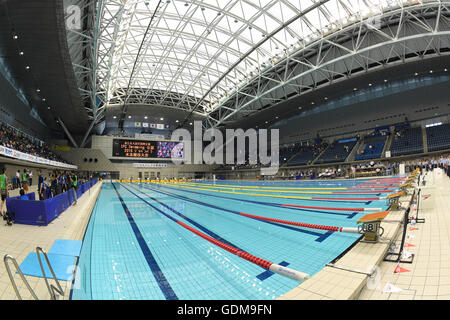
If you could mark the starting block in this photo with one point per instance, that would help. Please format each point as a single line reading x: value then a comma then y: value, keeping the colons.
x: 393, y: 199
x: 371, y: 226
x: 404, y: 186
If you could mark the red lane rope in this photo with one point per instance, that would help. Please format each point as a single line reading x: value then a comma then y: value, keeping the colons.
x: 362, y: 199
x: 353, y: 192
x: 298, y: 224
x: 369, y: 187
x: 244, y: 255
x: 322, y: 208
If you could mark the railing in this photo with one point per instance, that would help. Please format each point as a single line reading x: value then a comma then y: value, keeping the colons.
x: 51, y: 288
x: 11, y: 278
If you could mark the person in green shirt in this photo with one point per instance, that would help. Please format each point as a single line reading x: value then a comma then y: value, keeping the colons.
x: 25, y: 180
x: 3, y: 189
x: 74, y: 186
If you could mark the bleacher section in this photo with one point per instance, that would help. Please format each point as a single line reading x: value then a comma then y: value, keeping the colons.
x: 409, y: 142
x: 338, y: 151
x: 287, y: 152
x: 371, y: 151
x: 305, y: 156
x: 438, y: 137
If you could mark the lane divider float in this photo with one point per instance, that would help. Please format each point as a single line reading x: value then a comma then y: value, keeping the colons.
x: 276, y: 268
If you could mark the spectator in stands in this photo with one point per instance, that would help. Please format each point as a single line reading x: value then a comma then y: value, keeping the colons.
x: 30, y: 177
x: 11, y: 138
x: 3, y: 189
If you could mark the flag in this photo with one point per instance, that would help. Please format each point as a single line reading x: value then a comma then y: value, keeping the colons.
x: 145, y: 124
x: 137, y: 124
x: 389, y: 288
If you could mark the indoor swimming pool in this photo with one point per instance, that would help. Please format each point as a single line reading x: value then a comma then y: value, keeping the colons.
x: 143, y: 240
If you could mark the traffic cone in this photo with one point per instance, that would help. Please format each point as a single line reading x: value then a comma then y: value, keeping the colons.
x: 409, y: 245
x: 399, y: 269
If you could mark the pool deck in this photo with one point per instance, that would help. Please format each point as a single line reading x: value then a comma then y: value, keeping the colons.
x: 428, y: 276
x: 19, y: 240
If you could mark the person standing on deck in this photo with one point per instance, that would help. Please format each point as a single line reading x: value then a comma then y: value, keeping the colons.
x: 25, y: 180
x: 3, y: 189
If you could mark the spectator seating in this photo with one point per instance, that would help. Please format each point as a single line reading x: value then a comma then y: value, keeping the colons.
x: 305, y: 156
x: 14, y: 139
x: 410, y: 141
x: 337, y: 152
x: 438, y: 137
x: 287, y: 152
x: 372, y: 150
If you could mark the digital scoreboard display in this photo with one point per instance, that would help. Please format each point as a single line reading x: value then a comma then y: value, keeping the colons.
x: 147, y: 149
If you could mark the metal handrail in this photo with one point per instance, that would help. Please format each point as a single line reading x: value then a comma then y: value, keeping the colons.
x: 51, y: 288
x: 11, y: 278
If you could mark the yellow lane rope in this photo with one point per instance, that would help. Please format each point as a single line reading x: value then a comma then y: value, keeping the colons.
x: 243, y: 193
x: 245, y: 189
x: 227, y: 186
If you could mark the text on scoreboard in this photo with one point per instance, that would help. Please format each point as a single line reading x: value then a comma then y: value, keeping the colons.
x: 147, y: 149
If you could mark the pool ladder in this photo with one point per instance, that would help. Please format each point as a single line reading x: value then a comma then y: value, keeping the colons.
x: 51, y: 288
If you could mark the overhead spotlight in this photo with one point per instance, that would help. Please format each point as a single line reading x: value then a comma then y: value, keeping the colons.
x: 48, y: 108
x: 177, y: 121
x: 38, y: 90
x: 267, y: 122
x: 445, y: 69
x: 370, y: 84
x: 129, y: 117
x: 161, y: 119
x: 27, y: 67
x: 431, y: 71
x: 385, y: 80
x: 114, y: 117
x: 145, y: 117
x: 354, y: 89
x: 21, y: 53
x: 416, y: 74
x: 276, y: 117
x: 43, y: 99
x: 312, y: 102
x: 15, y: 37
x: 326, y: 98
x: 190, y: 123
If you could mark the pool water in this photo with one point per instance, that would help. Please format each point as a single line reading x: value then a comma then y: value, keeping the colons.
x: 135, y: 249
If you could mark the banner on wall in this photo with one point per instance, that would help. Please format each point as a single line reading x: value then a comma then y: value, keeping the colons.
x: 149, y: 136
x: 150, y: 165
x: 60, y: 148
x: 8, y: 152
x: 145, y: 124
x: 137, y: 124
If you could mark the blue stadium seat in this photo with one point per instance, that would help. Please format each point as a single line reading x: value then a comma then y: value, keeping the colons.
x: 438, y: 137
x: 409, y: 142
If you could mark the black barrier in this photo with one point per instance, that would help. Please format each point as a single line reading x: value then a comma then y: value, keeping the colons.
x: 399, y: 255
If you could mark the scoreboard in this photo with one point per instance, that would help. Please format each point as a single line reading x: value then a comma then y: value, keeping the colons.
x: 147, y: 149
